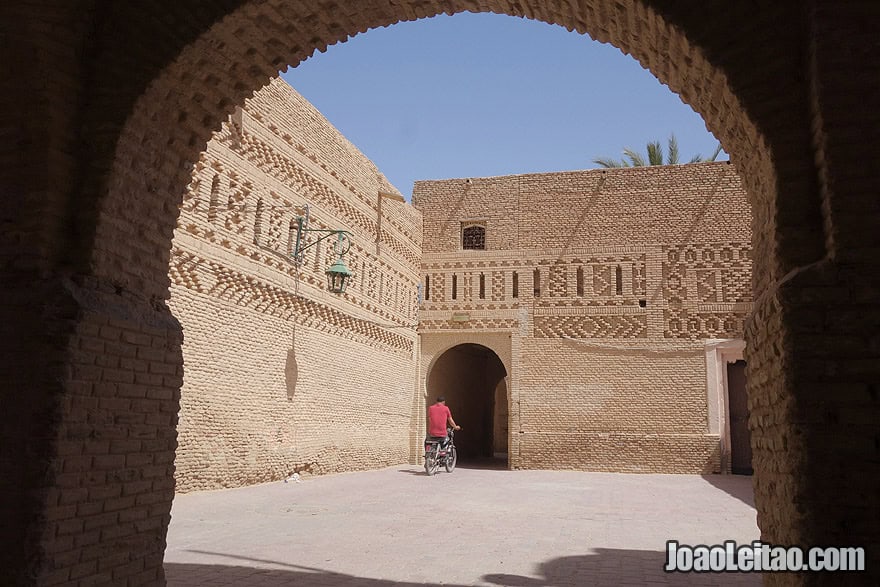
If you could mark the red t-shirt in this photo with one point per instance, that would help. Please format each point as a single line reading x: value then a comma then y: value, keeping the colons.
x: 438, y: 416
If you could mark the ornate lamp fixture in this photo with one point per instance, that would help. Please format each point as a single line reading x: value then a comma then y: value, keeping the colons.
x: 337, y: 274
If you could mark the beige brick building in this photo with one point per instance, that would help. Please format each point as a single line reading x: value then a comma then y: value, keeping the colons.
x: 281, y: 375
x: 586, y: 319
x: 568, y: 328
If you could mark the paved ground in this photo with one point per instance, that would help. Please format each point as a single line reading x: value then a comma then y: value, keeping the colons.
x: 486, y: 527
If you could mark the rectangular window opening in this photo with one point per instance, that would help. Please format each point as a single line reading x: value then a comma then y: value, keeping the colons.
x: 473, y: 237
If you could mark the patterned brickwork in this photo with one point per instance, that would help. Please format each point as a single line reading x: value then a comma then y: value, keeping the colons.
x: 598, y: 274
x: 248, y: 292
x: 591, y: 326
x: 269, y: 352
x: 597, y: 362
x: 475, y: 324
x: 722, y: 272
x: 708, y: 290
x: 681, y: 323
x: 498, y: 288
x: 558, y: 281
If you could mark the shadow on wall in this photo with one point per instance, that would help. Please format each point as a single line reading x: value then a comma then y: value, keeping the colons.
x: 291, y: 370
x: 604, y: 567
x: 713, y: 463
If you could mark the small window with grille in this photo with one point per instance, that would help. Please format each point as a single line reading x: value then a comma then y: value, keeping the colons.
x: 473, y: 236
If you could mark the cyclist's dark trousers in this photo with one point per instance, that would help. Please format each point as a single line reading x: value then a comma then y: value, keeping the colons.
x: 443, y: 440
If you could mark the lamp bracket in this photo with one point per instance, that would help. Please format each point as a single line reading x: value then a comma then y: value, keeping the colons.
x: 341, y: 247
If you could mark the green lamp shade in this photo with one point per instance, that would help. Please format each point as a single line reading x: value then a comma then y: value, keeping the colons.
x: 337, y: 276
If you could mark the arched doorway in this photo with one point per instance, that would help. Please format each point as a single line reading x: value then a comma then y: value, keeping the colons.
x: 474, y: 382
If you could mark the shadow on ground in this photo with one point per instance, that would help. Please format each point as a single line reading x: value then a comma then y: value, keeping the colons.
x: 738, y: 486
x: 603, y: 567
x: 481, y: 463
x: 488, y: 463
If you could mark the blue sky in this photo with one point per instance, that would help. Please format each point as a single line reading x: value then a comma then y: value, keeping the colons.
x: 476, y: 95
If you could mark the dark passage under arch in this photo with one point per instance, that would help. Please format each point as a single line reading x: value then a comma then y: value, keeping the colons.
x: 474, y: 382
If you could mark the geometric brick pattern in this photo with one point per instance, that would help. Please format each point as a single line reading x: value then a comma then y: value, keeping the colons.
x: 720, y: 274
x: 621, y: 326
x: 601, y: 290
x: 282, y: 167
x: 497, y: 286
x: 248, y: 292
x: 590, y: 322
x: 473, y: 324
x: 682, y: 323
x: 558, y: 276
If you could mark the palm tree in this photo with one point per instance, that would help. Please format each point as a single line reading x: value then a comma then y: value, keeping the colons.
x: 655, y: 156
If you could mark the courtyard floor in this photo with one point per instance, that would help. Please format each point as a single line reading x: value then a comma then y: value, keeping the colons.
x: 399, y: 527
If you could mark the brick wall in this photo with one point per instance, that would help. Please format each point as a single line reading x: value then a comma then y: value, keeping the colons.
x: 280, y: 375
x: 623, y: 277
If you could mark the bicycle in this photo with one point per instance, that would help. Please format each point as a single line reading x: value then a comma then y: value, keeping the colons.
x: 440, y: 451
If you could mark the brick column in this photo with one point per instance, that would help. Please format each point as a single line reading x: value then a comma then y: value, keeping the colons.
x: 814, y: 340
x: 90, y: 429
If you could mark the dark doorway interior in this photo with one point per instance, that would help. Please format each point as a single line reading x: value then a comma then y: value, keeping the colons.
x: 474, y: 382
x: 740, y: 444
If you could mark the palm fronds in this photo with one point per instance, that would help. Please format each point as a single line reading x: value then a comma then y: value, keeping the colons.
x: 632, y: 158
x: 672, y: 151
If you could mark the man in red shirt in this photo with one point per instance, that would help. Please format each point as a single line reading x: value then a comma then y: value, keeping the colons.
x: 438, y: 417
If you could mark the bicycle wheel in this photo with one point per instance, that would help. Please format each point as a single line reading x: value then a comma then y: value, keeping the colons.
x: 432, y: 462
x: 451, y: 459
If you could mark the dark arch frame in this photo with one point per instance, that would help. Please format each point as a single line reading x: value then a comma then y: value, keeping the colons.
x: 111, y: 114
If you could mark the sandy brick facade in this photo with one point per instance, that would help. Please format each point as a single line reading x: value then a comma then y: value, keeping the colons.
x: 601, y: 320
x: 604, y: 293
x: 600, y: 317
x: 281, y: 375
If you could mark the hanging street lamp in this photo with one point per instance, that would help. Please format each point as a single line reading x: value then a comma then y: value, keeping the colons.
x: 338, y: 274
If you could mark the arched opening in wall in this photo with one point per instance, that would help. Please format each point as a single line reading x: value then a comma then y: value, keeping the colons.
x: 273, y: 151
x: 166, y: 128
x: 474, y: 381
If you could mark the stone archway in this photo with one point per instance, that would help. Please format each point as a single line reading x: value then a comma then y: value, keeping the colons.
x: 473, y: 380
x: 116, y: 102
